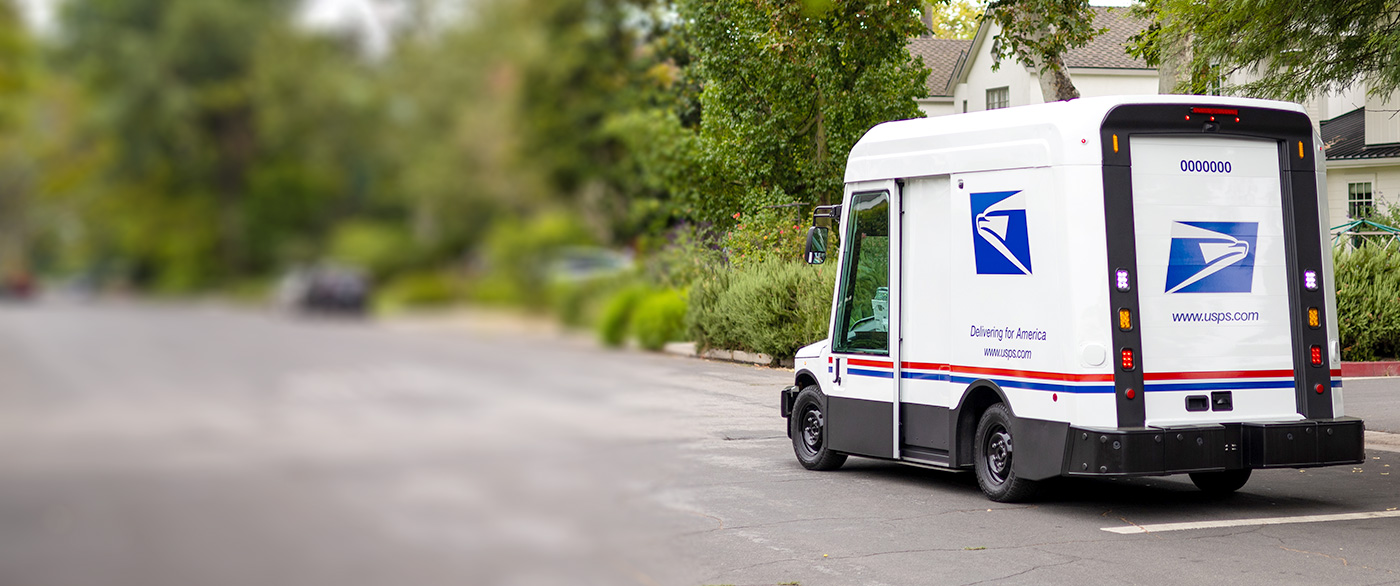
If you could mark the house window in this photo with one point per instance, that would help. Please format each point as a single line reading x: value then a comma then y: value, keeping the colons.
x: 1360, y: 203
x: 998, y: 97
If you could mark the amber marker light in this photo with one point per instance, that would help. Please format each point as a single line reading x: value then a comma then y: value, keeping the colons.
x: 1314, y: 318
x: 1125, y: 319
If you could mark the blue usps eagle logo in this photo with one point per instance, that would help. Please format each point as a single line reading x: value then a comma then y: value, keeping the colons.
x: 1000, y: 241
x: 1212, y: 257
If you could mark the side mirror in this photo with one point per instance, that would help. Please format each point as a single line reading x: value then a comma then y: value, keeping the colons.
x: 816, y: 245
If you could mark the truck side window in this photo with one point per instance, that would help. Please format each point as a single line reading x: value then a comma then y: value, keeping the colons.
x: 863, y: 318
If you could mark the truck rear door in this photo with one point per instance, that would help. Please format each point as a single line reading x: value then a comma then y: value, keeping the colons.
x: 1215, y: 313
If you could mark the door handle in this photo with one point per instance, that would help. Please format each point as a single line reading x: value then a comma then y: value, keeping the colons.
x: 838, y: 371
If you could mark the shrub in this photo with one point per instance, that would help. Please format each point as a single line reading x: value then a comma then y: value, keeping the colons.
x: 1368, y: 302
x: 577, y: 304
x: 616, y: 319
x: 377, y: 247
x: 707, y: 324
x: 517, y: 255
x: 659, y: 318
x: 773, y: 307
x: 418, y: 290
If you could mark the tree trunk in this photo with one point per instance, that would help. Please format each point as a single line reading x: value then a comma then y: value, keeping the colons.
x: 1173, y: 72
x: 1055, y: 84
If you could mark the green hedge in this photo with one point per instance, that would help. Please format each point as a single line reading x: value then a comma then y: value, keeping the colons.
x: 659, y: 318
x: 1368, y: 302
x: 773, y: 307
x: 616, y: 320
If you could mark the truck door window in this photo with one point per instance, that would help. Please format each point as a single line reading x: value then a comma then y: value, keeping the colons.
x: 863, y: 318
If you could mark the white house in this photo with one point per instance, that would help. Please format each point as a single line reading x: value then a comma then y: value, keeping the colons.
x: 1363, y: 157
x: 1102, y: 68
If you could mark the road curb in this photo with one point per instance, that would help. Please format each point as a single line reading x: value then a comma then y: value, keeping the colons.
x: 689, y: 349
x: 1378, y: 368
x: 1380, y: 440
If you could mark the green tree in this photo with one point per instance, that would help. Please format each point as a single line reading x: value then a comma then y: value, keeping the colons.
x: 1037, y: 34
x: 16, y: 88
x: 1292, y: 49
x: 956, y: 19
x: 174, y: 85
x: 789, y: 88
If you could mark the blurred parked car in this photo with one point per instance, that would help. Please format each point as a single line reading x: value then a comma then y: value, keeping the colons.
x: 17, y: 285
x: 324, y: 288
x: 582, y: 263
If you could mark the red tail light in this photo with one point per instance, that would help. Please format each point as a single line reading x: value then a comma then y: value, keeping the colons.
x: 1127, y: 355
x: 1317, y: 355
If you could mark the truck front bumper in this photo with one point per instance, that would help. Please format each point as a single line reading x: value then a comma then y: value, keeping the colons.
x: 1155, y: 451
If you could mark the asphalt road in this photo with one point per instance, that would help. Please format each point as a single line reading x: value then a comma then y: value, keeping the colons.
x: 152, y: 446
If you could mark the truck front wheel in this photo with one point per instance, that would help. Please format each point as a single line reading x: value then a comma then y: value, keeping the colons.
x: 993, y: 456
x: 807, y: 426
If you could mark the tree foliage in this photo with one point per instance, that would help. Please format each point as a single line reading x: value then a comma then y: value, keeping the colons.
x: 789, y: 88
x: 1037, y: 34
x: 956, y: 19
x: 1287, y: 49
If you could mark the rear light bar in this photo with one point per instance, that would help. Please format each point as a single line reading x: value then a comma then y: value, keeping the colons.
x: 1218, y: 111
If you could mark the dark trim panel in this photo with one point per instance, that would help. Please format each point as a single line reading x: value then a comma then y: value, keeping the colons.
x: 924, y: 426
x: 860, y: 427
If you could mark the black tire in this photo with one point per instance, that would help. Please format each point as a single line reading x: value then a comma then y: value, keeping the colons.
x: 993, y: 458
x: 807, y: 426
x: 1220, y: 483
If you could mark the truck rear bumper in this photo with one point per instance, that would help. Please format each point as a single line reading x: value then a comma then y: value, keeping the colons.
x: 1156, y: 451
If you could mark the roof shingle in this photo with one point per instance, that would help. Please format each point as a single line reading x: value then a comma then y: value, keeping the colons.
x: 1108, y: 50
x: 940, y: 55
x: 1344, y: 137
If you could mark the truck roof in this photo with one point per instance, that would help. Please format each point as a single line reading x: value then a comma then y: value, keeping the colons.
x: 1057, y: 133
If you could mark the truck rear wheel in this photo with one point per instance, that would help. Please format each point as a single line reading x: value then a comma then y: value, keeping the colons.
x: 807, y: 426
x: 993, y: 455
x: 1223, y: 482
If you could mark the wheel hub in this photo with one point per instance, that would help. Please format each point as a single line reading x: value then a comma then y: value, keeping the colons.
x: 812, y: 425
x: 999, y: 454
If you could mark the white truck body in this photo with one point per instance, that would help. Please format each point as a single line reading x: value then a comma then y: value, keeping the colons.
x: 1015, y: 240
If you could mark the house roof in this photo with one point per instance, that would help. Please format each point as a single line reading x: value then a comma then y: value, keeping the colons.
x: 1344, y: 137
x: 942, y: 56
x: 1107, y: 51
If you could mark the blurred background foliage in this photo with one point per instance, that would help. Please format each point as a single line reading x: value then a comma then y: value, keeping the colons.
x: 546, y: 154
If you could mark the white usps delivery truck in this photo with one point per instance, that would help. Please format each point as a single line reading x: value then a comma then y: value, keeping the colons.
x: 1116, y: 286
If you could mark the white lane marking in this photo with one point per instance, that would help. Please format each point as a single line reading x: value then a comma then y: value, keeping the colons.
x: 1161, y: 527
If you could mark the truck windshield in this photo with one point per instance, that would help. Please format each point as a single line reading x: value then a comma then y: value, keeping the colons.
x: 863, y: 318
